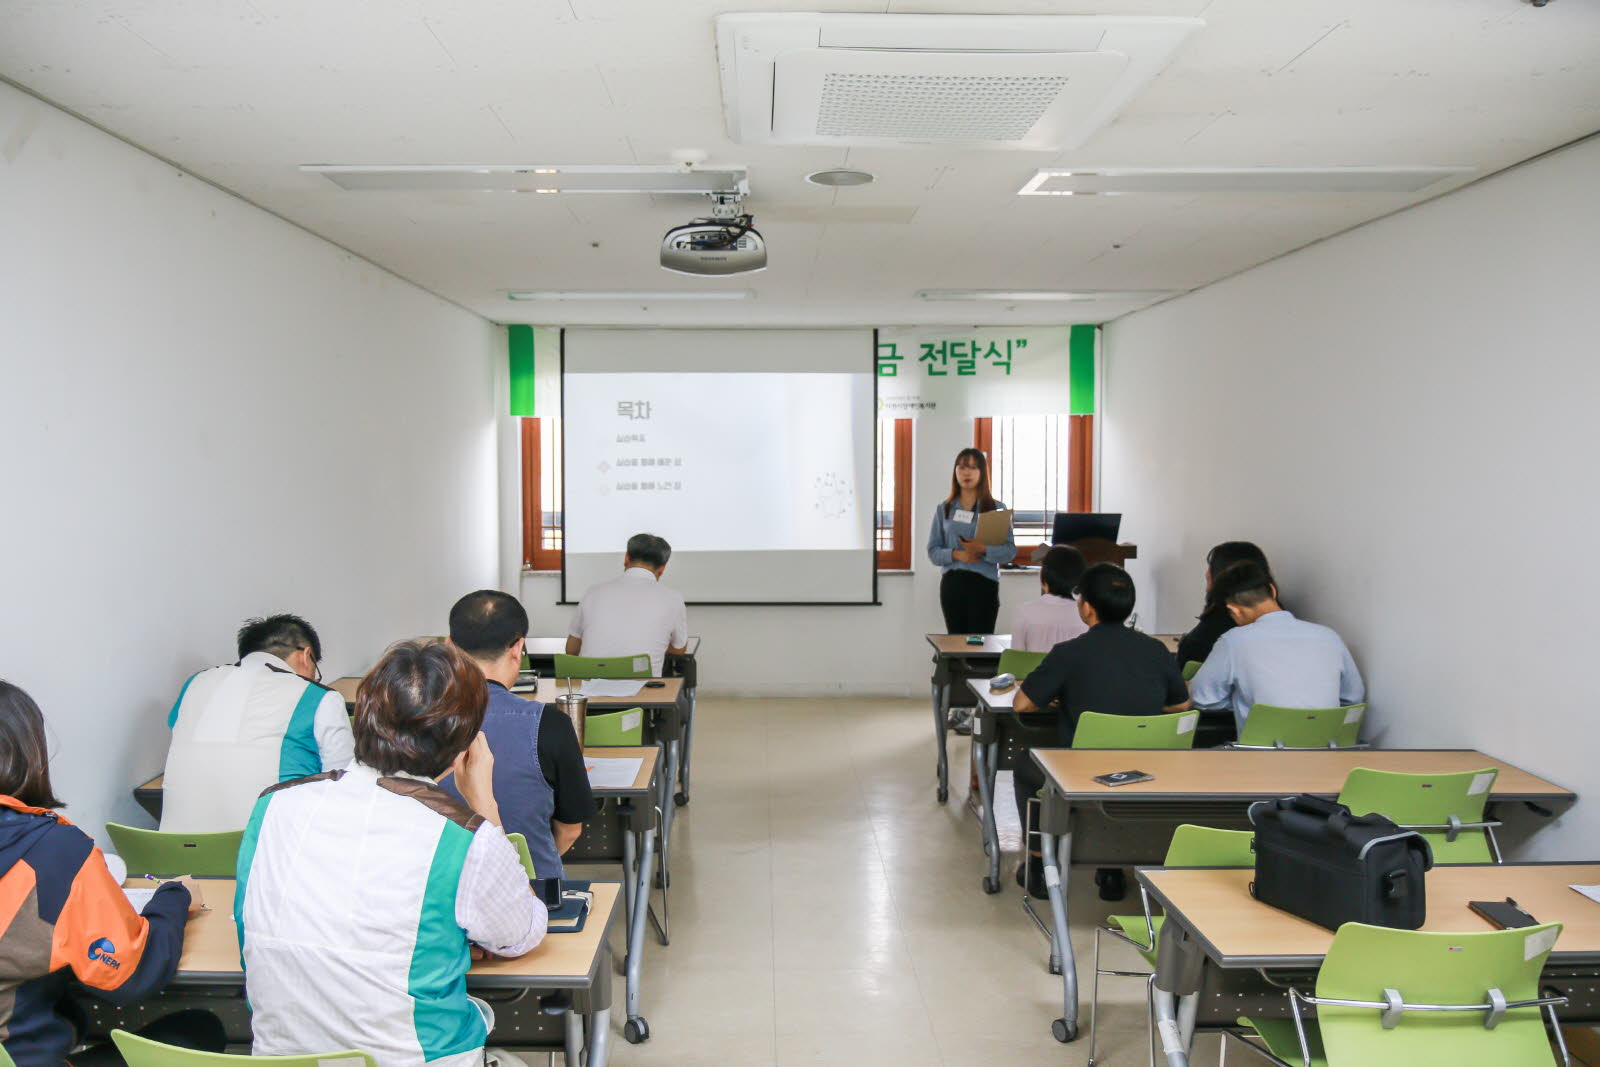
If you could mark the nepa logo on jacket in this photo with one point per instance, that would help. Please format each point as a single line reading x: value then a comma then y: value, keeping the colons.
x: 104, y: 951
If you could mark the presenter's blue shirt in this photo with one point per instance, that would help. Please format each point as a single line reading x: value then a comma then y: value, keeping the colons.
x: 947, y: 532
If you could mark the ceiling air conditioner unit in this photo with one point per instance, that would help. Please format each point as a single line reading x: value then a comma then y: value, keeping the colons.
x: 1041, y: 82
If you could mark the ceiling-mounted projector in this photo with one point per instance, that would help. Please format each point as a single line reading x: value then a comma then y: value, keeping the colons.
x: 725, y: 243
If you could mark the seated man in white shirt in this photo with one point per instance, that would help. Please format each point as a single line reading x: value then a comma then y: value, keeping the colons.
x: 240, y: 728
x: 633, y: 613
x: 1271, y: 657
x: 1044, y: 623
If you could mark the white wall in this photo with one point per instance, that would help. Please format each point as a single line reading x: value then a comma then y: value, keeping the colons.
x: 1404, y: 417
x: 872, y: 651
x: 206, y: 414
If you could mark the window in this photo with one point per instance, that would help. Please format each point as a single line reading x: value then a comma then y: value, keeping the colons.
x: 1039, y: 465
x: 541, y: 494
x: 893, y: 524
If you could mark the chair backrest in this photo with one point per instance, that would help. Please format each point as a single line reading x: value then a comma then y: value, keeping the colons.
x: 1019, y: 664
x: 142, y: 1052
x: 1431, y: 968
x: 1135, y: 731
x: 520, y: 843
x: 1427, y: 800
x: 1206, y: 846
x: 1303, y: 727
x: 167, y: 855
x: 5, y: 1058
x: 614, y: 728
x: 1191, y: 669
x: 635, y: 666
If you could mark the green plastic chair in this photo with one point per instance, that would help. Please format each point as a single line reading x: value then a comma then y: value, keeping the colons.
x: 1020, y: 664
x: 1170, y: 730
x: 1396, y: 976
x: 614, y: 728
x: 5, y: 1058
x: 635, y: 666
x: 1274, y: 727
x: 1191, y: 669
x: 1446, y: 808
x: 1191, y: 846
x: 142, y: 1052
x: 167, y: 855
x: 520, y: 843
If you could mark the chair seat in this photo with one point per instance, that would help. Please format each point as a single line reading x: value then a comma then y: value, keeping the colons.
x: 1282, y: 1042
x: 1132, y: 927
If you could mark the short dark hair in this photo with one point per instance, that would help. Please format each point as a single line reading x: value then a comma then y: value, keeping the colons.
x: 1108, y: 589
x: 24, y: 754
x: 1245, y: 584
x: 1225, y: 555
x: 649, y: 549
x: 486, y: 623
x: 279, y: 635
x: 1061, y: 570
x: 419, y: 709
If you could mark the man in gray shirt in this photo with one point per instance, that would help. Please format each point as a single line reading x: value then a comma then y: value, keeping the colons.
x: 1271, y: 657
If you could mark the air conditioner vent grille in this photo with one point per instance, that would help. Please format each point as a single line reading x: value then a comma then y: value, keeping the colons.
x: 933, y: 107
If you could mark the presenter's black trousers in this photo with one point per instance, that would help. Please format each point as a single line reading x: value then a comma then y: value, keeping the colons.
x: 971, y: 602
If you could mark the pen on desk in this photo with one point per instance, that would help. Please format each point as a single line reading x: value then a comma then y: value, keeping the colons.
x: 157, y: 881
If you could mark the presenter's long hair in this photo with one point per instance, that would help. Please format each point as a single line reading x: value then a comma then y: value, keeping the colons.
x: 986, y: 501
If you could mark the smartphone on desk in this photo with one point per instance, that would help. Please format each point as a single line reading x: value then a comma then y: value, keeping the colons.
x: 1124, y: 778
x: 1504, y: 914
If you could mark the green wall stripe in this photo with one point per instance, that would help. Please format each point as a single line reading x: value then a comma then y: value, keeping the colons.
x: 520, y: 344
x: 1081, y: 374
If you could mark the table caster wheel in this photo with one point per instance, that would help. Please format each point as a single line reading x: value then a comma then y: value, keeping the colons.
x: 1112, y: 882
x: 636, y: 1030
x: 943, y: 795
x: 681, y: 799
x: 663, y: 881
x: 1062, y: 1032
x: 1054, y: 966
x: 990, y: 886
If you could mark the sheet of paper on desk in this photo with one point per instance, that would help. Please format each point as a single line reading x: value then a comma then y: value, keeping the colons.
x: 139, y: 897
x: 611, y: 687
x: 1590, y: 891
x: 613, y: 772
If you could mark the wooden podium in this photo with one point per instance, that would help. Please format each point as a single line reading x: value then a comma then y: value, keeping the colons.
x: 1095, y: 550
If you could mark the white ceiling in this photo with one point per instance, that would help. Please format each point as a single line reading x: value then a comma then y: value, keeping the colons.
x: 243, y: 92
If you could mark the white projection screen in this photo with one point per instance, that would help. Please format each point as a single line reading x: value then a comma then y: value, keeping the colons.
x: 750, y: 451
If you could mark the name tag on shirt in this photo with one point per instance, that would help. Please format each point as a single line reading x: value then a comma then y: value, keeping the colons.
x: 962, y: 516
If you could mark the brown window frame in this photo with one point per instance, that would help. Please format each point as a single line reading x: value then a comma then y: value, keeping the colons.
x: 535, y: 555
x: 897, y: 557
x: 1080, y: 461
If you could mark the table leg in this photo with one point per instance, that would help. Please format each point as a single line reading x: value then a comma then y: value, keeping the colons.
x: 988, y: 753
x: 636, y: 1029
x: 682, y: 799
x: 599, y: 1050
x: 1057, y: 855
x: 941, y: 737
x: 573, y: 1048
x: 629, y: 869
x: 1169, y: 1029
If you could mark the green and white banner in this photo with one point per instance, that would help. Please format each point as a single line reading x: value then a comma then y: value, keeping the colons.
x: 986, y: 371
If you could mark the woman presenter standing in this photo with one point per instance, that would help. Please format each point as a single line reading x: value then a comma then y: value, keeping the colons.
x: 969, y: 588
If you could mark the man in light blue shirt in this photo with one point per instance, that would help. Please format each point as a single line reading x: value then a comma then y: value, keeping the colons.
x: 1271, y: 657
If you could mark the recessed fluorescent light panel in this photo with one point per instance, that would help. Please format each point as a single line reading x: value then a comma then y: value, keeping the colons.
x: 631, y: 295
x: 534, y: 178
x: 1119, y: 181
x: 1022, y: 296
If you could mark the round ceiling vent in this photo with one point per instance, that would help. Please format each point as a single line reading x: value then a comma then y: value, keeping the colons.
x: 840, y: 177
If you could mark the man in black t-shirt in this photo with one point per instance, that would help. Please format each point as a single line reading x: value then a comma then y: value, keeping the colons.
x: 1111, y: 669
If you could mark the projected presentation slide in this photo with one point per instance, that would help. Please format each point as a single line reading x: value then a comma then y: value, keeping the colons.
x: 715, y: 463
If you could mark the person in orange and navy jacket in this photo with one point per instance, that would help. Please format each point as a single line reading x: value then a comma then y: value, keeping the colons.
x: 65, y: 925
